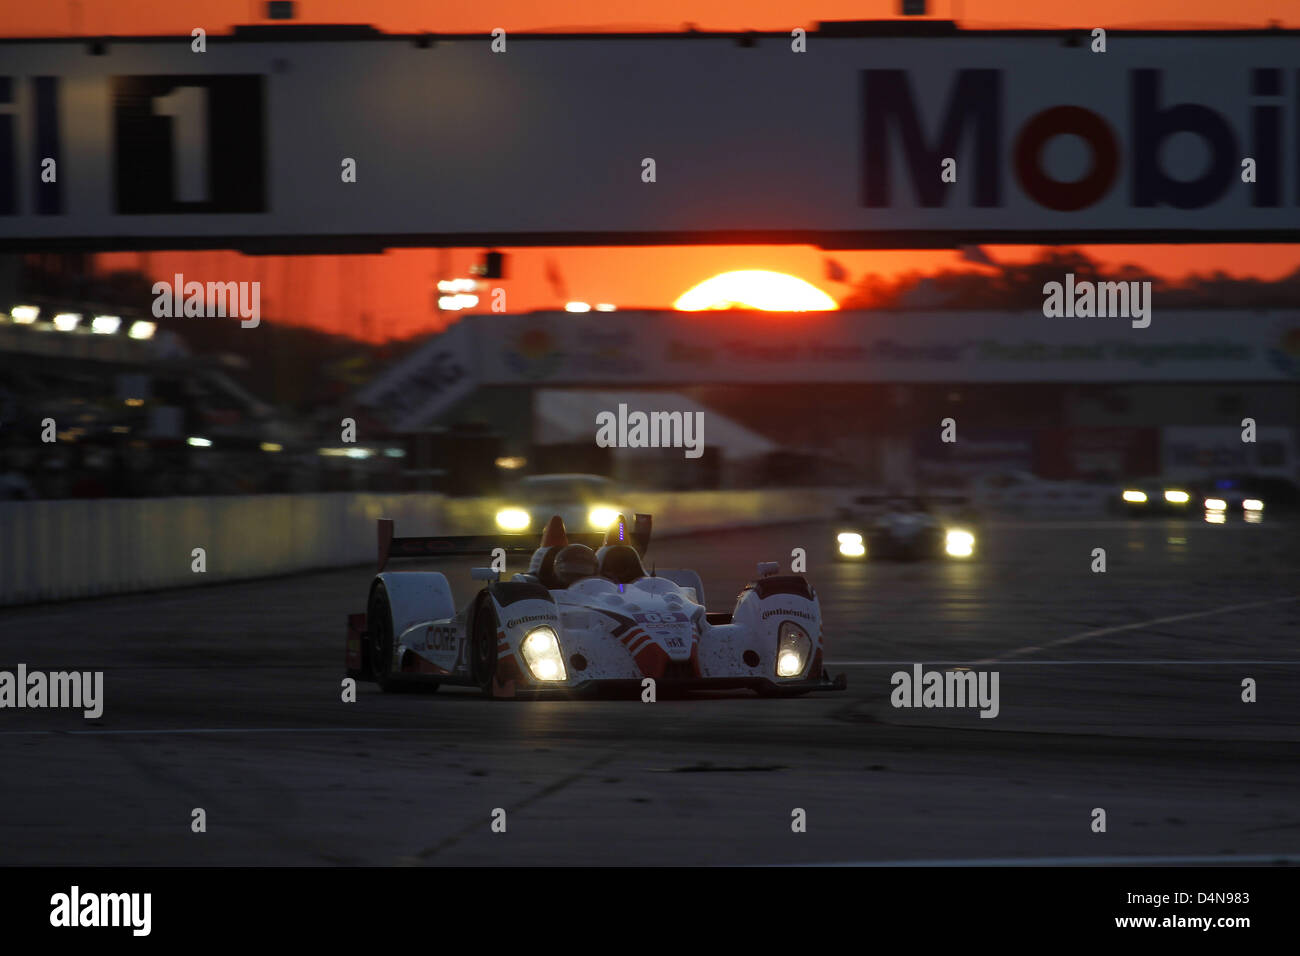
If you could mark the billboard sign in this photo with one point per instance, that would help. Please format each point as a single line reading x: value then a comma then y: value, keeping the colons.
x: 841, y: 346
x: 311, y: 139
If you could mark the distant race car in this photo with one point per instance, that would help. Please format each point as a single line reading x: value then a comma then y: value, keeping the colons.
x: 902, y: 528
x: 1230, y: 499
x: 584, y: 502
x: 586, y: 617
x: 1154, y: 497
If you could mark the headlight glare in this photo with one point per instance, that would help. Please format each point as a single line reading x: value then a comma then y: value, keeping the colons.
x: 541, y: 652
x: 601, y: 517
x: 1133, y: 496
x: 850, y: 544
x: 513, y: 519
x: 959, y: 544
x: 792, y: 649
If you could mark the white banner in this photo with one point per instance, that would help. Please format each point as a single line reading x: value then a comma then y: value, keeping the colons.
x: 1193, y: 452
x: 608, y: 139
x: 671, y: 348
x: 426, y: 383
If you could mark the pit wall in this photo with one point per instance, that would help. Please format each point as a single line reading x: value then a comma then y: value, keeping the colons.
x: 54, y: 550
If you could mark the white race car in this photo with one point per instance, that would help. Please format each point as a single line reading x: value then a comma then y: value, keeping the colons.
x: 585, y: 617
x: 586, y: 502
x: 902, y: 528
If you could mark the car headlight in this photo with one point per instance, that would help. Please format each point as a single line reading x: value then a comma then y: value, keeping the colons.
x: 959, y: 544
x: 850, y: 543
x: 792, y: 647
x: 602, y: 517
x: 1252, y: 504
x: 1215, y: 504
x: 541, y: 650
x: 1176, y: 497
x: 513, y: 519
x: 1133, y: 496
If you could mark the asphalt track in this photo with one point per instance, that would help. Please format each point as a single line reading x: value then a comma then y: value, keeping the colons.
x: 1119, y: 690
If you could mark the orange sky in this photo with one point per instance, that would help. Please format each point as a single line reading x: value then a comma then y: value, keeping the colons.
x: 395, y: 289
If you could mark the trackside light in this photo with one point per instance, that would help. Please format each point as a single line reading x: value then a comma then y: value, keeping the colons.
x: 105, y: 324
x: 24, y: 314
x: 66, y: 321
x: 142, y: 330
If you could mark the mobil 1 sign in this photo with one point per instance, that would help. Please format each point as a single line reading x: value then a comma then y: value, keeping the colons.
x: 837, y: 138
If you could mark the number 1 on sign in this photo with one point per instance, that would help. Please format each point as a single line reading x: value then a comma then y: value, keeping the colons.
x: 188, y: 108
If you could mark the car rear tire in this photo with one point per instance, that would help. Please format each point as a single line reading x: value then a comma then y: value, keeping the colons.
x: 379, y: 649
x: 379, y: 637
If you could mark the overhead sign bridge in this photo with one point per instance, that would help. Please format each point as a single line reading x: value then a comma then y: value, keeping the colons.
x: 841, y: 138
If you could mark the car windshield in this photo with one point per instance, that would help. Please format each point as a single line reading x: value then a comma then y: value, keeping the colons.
x: 558, y: 489
x: 899, y: 504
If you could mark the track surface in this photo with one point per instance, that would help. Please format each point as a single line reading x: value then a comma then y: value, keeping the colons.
x: 228, y: 698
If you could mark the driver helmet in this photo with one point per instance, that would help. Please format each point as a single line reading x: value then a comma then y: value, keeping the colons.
x: 573, y: 563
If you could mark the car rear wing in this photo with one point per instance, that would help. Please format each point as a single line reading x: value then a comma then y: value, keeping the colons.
x: 447, y: 546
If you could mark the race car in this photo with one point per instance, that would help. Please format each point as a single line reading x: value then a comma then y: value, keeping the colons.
x: 583, y: 501
x: 902, y: 528
x: 586, y: 617
x: 1144, y: 498
x: 1230, y: 499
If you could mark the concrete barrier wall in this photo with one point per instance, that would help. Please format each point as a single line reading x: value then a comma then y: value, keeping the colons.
x: 52, y: 550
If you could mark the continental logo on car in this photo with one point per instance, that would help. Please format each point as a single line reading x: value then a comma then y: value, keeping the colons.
x: 530, y: 618
x: 787, y: 612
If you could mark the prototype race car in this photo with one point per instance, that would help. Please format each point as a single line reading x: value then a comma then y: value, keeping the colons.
x: 583, y: 501
x: 585, y: 617
x: 1230, y: 499
x: 901, y: 529
x: 1144, y: 498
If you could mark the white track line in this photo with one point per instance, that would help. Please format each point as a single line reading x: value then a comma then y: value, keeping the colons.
x: 966, y: 663
x: 222, y: 730
x: 1098, y: 632
x: 1077, y: 861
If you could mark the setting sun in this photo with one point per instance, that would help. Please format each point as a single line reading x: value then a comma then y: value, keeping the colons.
x: 755, y: 289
